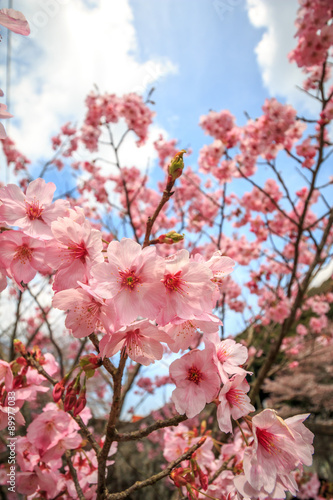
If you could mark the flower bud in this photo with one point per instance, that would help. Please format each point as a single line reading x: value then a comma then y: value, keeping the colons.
x: 170, y: 238
x: 19, y: 347
x: 177, y: 478
x: 80, y: 404
x: 176, y: 166
x: 203, y: 478
x: 70, y: 400
x: 58, y: 391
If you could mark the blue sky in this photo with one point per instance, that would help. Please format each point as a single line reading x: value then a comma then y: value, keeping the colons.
x: 215, y: 59
x: 199, y: 55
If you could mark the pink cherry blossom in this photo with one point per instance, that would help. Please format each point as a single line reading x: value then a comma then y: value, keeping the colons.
x: 10, y: 410
x: 14, y: 21
x: 3, y: 115
x: 6, y: 375
x: 184, y: 333
x: 230, y: 355
x: 34, y: 211
x: 85, y: 311
x: 277, y: 449
x: 178, y: 439
x: 75, y: 249
x: 233, y: 402
x: 221, y: 266
x: 188, y: 288
x: 22, y: 256
x: 197, y: 381
x: 48, y: 428
x: 27, y: 454
x: 141, y: 339
x: 246, y: 491
x: 132, y: 277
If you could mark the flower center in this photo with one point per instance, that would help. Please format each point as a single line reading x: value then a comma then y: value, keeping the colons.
x: 23, y: 254
x: 78, y: 251
x: 235, y: 397
x: 94, y: 308
x: 222, y: 354
x: 194, y: 375
x: 33, y: 210
x: 268, y: 441
x: 129, y: 279
x: 133, y: 342
x: 174, y: 282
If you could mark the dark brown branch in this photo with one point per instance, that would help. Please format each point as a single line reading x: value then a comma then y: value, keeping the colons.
x: 106, y: 362
x: 167, y: 193
x: 157, y: 477
x: 159, y: 424
x: 13, y: 336
x: 129, y: 382
x: 74, y: 476
x: 110, y: 430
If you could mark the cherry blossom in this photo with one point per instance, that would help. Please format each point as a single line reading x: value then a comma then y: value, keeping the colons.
x: 132, y: 278
x: 85, y: 311
x: 75, y: 249
x: 277, y: 449
x: 14, y: 21
x: 188, y: 288
x: 197, y: 381
x: 141, y: 341
x: 34, y: 211
x: 233, y: 402
x: 22, y: 256
x: 230, y: 356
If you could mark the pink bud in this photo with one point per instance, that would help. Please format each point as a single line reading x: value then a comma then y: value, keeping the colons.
x: 203, y: 478
x: 80, y: 404
x: 58, y: 391
x: 70, y: 400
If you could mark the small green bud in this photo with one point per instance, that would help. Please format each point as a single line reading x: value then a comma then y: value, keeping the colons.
x: 170, y: 238
x: 177, y: 165
x: 175, y: 237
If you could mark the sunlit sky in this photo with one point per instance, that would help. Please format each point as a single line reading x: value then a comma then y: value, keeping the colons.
x: 199, y: 55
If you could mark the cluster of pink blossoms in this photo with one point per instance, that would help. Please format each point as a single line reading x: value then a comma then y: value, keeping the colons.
x: 315, y: 39
x: 264, y: 467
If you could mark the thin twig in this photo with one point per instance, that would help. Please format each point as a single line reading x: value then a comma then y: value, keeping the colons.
x: 74, y: 476
x: 159, y: 424
x: 157, y: 477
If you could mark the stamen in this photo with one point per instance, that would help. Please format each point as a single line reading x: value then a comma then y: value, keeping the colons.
x: 194, y: 375
x: 174, y: 282
x: 268, y: 441
x: 223, y: 354
x: 78, y: 251
x: 33, y: 210
x: 23, y: 254
x: 129, y: 279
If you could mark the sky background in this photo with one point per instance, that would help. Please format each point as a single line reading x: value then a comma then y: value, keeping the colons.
x: 199, y: 55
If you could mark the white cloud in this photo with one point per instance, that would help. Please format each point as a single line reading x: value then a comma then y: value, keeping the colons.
x: 74, y: 44
x: 279, y: 76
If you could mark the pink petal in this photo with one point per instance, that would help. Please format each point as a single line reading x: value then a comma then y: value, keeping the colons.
x: 14, y: 21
